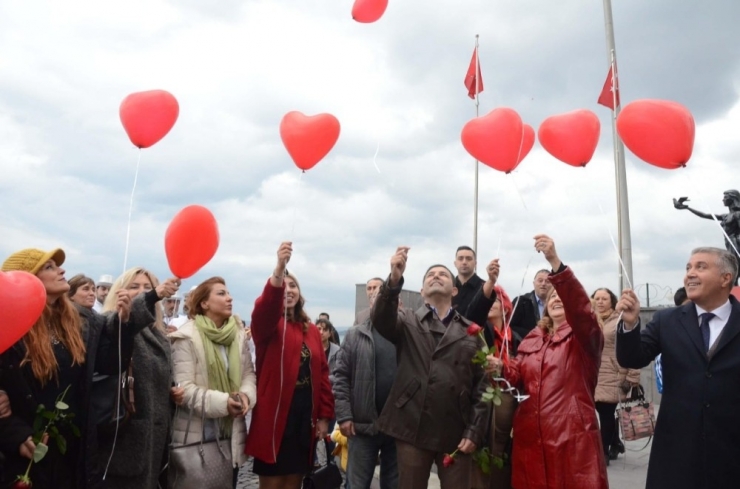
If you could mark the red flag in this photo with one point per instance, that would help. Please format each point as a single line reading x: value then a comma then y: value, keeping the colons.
x: 474, y: 75
x: 611, y: 85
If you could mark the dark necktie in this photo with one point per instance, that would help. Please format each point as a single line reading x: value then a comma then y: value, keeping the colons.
x: 705, y: 318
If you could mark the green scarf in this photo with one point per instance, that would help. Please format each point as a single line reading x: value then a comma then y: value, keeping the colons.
x: 218, y: 379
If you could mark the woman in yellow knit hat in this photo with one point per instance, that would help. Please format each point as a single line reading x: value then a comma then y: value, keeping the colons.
x: 59, y: 356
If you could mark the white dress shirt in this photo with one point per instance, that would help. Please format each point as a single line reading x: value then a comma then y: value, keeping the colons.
x: 718, y: 322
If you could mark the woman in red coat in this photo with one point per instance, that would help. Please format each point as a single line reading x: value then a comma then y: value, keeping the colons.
x: 294, y: 398
x: 557, y: 442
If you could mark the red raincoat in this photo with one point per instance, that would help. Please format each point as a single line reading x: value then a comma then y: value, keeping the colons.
x: 557, y: 443
x: 271, y: 411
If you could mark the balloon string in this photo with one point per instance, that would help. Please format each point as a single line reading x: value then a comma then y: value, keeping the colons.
x: 376, y: 156
x: 516, y: 187
x: 130, y: 212
x: 120, y: 326
x: 295, y: 208
x: 507, y: 324
x: 614, y: 244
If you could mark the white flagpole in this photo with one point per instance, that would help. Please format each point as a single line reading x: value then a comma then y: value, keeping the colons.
x: 623, y: 213
x: 475, y: 202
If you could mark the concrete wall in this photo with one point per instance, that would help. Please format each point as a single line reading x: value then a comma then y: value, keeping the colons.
x: 409, y: 298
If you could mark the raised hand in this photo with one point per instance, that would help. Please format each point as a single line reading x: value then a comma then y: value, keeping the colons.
x: 545, y: 245
x: 629, y: 307
x: 168, y: 288
x: 398, y: 264
x: 123, y: 305
x: 284, y: 252
x: 493, y: 270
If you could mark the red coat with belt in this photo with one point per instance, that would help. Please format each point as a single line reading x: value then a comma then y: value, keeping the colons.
x: 275, y: 385
x: 557, y: 442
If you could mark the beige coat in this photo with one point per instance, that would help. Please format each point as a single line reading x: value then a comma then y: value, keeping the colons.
x: 611, y: 375
x: 189, y: 360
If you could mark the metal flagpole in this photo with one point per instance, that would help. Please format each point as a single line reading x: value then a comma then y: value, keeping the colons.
x: 475, y: 202
x: 623, y: 212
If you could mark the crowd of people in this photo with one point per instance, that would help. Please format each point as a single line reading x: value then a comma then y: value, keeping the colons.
x: 112, y: 381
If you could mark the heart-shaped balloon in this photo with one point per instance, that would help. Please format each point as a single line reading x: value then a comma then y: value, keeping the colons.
x: 308, y: 138
x: 527, y: 141
x: 22, y: 300
x: 495, y: 139
x: 367, y: 11
x: 572, y: 138
x: 191, y: 240
x: 147, y: 117
x: 659, y: 132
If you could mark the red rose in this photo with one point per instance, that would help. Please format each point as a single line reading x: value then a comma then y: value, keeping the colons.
x: 474, y: 330
x: 22, y: 484
x: 448, y: 459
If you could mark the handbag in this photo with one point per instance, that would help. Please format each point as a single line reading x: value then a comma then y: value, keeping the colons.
x: 203, y: 464
x: 112, y: 403
x: 636, y: 416
x: 326, y: 477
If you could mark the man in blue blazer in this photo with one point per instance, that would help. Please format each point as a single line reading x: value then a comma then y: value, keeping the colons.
x: 697, y: 435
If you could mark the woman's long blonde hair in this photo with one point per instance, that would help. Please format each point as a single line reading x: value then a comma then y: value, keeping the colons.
x: 123, y: 282
x: 64, y: 321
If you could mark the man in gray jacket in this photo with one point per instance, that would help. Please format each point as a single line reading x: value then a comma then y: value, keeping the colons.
x: 363, y: 375
x: 435, y: 407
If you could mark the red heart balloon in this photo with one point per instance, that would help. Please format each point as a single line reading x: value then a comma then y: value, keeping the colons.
x: 495, y: 139
x: 527, y: 141
x: 22, y: 300
x: 572, y: 138
x: 147, y: 117
x: 367, y: 11
x: 191, y: 240
x: 659, y: 132
x: 308, y: 138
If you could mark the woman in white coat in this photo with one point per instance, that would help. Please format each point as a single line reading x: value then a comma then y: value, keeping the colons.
x: 209, y: 354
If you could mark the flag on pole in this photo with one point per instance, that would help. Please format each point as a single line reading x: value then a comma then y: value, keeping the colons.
x: 610, y: 92
x: 473, y: 78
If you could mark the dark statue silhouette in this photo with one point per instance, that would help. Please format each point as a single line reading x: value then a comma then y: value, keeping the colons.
x: 730, y: 222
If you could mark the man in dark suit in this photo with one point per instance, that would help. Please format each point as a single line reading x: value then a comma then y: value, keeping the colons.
x: 697, y: 435
x: 467, y: 282
x: 528, y: 307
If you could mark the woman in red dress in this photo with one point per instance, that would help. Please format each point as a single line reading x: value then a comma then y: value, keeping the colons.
x: 294, y: 397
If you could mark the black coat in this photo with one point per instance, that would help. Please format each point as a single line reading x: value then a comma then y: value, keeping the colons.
x: 466, y: 292
x: 526, y: 314
x: 697, y: 434
x: 100, y: 334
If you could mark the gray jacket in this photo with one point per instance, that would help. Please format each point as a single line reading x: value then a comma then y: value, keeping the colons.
x: 332, y: 360
x: 354, y: 380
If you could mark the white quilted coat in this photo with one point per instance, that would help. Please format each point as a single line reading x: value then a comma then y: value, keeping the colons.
x: 188, y: 357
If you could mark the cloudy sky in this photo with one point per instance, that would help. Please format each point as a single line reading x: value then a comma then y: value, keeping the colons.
x: 396, y: 86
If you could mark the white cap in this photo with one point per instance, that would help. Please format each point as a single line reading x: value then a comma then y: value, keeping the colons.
x: 106, y: 280
x: 176, y: 297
